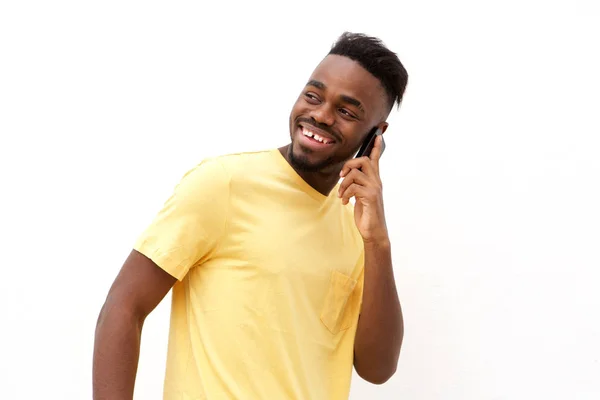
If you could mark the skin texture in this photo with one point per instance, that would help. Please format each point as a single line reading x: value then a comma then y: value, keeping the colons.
x: 323, y: 106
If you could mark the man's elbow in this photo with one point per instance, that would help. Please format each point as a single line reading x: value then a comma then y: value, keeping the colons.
x: 377, y: 376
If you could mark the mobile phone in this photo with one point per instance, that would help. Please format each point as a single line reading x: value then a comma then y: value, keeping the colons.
x: 369, y: 143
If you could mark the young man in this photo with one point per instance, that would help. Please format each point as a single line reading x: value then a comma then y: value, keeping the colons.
x: 280, y: 285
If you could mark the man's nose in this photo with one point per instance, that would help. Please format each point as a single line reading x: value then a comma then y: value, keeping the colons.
x: 323, y: 115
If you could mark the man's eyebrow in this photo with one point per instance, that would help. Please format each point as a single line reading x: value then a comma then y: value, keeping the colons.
x: 345, y: 98
x: 353, y: 101
x: 317, y: 84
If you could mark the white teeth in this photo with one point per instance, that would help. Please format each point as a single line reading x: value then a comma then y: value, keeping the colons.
x: 310, y: 134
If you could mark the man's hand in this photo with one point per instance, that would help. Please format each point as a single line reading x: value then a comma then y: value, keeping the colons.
x: 362, y: 181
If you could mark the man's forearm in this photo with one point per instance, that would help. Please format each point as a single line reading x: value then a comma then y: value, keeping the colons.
x: 380, y: 327
x: 116, y: 354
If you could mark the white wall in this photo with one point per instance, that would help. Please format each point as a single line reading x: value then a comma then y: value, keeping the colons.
x: 491, y: 175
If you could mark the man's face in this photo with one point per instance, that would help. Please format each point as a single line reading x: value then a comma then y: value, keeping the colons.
x: 338, y: 107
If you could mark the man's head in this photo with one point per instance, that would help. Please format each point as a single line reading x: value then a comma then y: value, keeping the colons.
x: 351, y: 91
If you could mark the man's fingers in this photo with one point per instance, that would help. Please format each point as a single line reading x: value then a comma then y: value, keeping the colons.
x: 376, y: 152
x: 362, y: 163
x: 352, y: 191
x: 354, y: 176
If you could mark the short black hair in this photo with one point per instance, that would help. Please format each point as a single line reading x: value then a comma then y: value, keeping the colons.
x: 375, y: 57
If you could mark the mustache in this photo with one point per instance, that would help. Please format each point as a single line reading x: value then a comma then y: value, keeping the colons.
x: 315, y: 124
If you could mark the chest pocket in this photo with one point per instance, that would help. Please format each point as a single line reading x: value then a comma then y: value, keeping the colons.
x: 336, y: 310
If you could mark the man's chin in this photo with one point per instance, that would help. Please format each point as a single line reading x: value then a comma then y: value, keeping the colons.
x: 301, y: 162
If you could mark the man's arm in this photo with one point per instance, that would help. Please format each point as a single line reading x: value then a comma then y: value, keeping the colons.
x: 137, y: 290
x: 380, y: 326
x: 187, y: 229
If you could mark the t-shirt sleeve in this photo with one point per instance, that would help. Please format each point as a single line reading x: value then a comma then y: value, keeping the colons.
x: 191, y: 223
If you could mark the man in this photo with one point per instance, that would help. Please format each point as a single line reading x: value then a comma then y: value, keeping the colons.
x: 280, y: 285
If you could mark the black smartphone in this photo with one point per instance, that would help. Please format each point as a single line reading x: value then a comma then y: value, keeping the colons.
x: 369, y: 143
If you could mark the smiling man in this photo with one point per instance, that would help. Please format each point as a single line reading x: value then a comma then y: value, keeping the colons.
x: 279, y: 284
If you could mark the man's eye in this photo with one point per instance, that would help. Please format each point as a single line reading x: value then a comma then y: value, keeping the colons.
x: 346, y: 112
x: 311, y: 97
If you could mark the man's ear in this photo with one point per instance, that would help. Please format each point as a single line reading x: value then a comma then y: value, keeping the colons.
x: 383, y: 126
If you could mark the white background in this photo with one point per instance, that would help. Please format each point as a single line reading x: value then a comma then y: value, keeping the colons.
x: 491, y: 175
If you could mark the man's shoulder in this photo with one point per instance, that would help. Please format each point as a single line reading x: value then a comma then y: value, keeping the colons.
x: 244, y: 162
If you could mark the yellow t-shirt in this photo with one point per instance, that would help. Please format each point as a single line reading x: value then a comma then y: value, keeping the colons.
x: 270, y: 280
